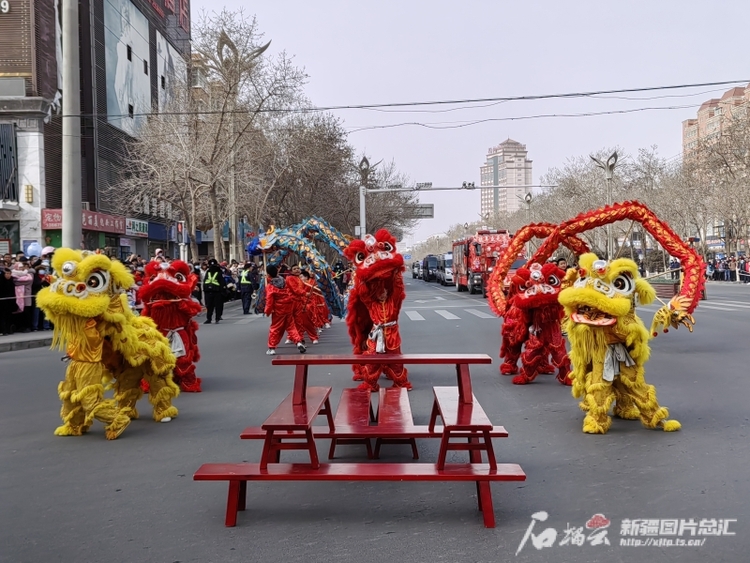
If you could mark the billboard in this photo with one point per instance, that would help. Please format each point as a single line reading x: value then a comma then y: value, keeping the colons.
x: 171, y: 71
x: 127, y: 59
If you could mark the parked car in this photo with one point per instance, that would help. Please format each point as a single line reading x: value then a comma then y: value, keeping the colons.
x: 415, y: 270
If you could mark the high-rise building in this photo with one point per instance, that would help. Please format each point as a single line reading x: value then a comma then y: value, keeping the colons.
x: 713, y: 116
x: 132, y: 54
x: 505, y: 178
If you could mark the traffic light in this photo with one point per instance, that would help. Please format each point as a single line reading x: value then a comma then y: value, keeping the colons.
x: 181, y: 232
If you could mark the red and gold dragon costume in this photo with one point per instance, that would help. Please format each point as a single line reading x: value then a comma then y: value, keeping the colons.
x: 531, y: 312
x: 166, y: 296
x: 374, y: 306
x: 609, y: 342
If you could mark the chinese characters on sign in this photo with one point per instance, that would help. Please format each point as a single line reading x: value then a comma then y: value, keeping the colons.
x: 657, y: 532
x: 136, y: 228
x: 90, y: 220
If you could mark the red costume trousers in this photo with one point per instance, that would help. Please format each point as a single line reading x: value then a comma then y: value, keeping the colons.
x: 282, y: 322
x: 304, y: 321
x: 395, y: 372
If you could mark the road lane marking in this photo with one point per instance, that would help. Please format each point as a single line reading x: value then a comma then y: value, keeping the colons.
x: 446, y: 314
x: 414, y: 316
x: 740, y: 304
x: 480, y: 314
x: 715, y: 307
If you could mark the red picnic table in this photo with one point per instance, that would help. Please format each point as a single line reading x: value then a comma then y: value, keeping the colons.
x: 290, y: 427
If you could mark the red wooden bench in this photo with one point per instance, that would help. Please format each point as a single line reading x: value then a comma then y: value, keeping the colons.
x: 238, y: 474
x: 291, y: 422
x: 394, y: 413
x: 354, y: 413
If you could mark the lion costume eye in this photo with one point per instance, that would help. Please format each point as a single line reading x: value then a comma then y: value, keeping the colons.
x: 387, y: 247
x: 69, y: 268
x: 623, y: 284
x: 97, y: 282
x: 360, y: 257
x: 180, y: 278
x: 553, y: 280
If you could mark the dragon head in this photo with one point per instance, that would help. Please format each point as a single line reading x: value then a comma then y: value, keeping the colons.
x: 166, y: 281
x: 536, y: 286
x: 375, y: 256
x: 83, y: 283
x: 603, y: 292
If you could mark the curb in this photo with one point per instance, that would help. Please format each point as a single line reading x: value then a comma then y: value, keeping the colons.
x: 25, y: 345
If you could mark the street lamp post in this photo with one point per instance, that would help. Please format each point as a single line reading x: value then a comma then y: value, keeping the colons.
x: 609, y: 170
x: 364, y: 172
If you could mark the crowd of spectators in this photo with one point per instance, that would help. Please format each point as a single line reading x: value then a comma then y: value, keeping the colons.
x: 729, y: 268
x: 21, y: 278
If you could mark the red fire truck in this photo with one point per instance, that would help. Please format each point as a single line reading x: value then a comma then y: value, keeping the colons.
x: 475, y: 256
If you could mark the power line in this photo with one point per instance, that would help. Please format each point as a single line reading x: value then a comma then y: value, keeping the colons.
x: 533, y: 97
x: 518, y: 118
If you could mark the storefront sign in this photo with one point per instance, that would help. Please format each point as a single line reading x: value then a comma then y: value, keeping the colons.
x: 136, y: 228
x: 127, y: 242
x: 90, y: 220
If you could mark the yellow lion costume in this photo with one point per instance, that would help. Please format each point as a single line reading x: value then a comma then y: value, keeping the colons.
x: 610, y: 342
x: 104, y: 340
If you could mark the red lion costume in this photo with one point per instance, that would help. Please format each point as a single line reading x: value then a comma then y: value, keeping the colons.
x: 166, y: 296
x: 531, y: 311
x: 374, y: 306
x: 533, y: 317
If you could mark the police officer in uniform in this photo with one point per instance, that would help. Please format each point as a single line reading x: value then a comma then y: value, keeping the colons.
x: 214, y: 288
x: 246, y: 287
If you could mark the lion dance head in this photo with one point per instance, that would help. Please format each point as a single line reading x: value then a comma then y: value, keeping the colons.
x: 165, y: 281
x: 83, y: 286
x: 375, y: 257
x: 604, y: 293
x: 536, y: 286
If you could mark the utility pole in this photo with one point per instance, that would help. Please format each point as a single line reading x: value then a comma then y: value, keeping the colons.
x: 609, y: 169
x: 72, y: 230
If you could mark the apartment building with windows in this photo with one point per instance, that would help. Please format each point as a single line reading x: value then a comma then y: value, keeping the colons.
x: 713, y: 116
x: 505, y: 177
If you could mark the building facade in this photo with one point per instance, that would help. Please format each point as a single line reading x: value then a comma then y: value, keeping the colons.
x: 712, y: 119
x: 713, y: 116
x: 505, y: 179
x: 131, y: 54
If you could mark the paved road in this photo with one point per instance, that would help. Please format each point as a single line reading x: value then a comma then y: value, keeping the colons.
x: 87, y: 499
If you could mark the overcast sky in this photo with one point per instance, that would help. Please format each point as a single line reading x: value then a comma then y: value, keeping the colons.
x: 387, y: 51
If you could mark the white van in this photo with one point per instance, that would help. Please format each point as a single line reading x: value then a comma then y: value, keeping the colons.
x: 445, y: 269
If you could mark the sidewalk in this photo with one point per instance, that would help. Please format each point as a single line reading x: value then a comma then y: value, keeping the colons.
x: 26, y: 341
x: 43, y: 339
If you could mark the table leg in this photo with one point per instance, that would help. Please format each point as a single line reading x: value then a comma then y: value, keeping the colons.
x: 299, y: 393
x: 465, y: 394
x: 326, y: 410
x: 267, y: 445
x: 314, y: 462
x: 243, y: 496
x: 490, y: 450
x: 232, y: 502
x: 434, y: 415
x: 488, y: 512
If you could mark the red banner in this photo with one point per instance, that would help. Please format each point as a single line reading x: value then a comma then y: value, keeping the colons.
x: 90, y: 220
